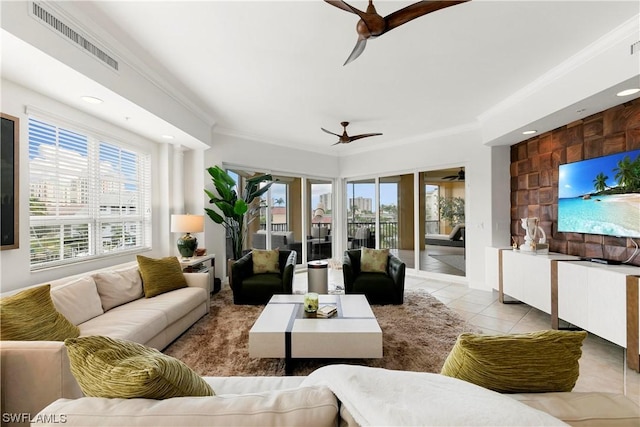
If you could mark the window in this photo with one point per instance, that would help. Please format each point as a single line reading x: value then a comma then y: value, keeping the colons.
x: 88, y: 197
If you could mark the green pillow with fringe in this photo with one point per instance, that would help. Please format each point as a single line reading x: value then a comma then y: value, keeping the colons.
x: 115, y: 368
x: 535, y: 362
x: 30, y: 315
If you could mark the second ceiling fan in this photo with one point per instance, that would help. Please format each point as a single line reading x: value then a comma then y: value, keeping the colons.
x: 344, y: 138
x: 371, y: 24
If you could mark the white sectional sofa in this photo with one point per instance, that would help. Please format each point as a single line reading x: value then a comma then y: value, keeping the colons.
x: 106, y: 302
x: 38, y: 387
x: 348, y: 395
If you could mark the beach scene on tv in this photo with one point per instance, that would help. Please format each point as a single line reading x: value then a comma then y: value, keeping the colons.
x: 601, y: 195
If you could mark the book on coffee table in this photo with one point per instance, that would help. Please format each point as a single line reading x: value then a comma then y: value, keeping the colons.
x: 326, y: 311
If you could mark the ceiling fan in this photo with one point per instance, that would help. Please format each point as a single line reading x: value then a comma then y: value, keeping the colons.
x: 345, y: 139
x: 371, y: 24
x: 457, y: 177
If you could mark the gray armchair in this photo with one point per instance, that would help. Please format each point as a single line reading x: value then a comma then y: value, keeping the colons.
x: 379, y: 288
x: 249, y: 288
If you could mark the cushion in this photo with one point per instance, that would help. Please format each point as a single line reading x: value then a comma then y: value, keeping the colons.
x: 109, y: 367
x: 293, y: 406
x: 319, y: 232
x: 535, y: 362
x: 30, y: 315
x: 456, y: 233
x: 585, y: 409
x: 160, y: 275
x: 118, y: 287
x: 265, y: 261
x: 374, y: 260
x: 78, y: 300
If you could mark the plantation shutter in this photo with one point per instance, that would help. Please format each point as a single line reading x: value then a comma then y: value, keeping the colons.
x: 88, y: 198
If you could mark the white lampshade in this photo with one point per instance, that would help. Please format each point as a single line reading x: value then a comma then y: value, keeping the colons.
x: 187, y: 223
x: 318, y: 213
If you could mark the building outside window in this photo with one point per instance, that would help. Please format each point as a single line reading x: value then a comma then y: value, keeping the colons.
x: 88, y: 197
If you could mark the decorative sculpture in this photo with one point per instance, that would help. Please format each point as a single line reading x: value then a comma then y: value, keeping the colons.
x: 531, y: 240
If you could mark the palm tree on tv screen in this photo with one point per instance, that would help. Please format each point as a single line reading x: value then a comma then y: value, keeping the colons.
x: 628, y: 173
x: 600, y: 182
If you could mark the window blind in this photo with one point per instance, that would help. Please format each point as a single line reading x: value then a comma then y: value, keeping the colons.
x: 88, y: 197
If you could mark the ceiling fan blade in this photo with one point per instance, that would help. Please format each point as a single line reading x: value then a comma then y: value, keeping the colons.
x: 339, y: 142
x: 416, y: 10
x: 345, y: 6
x: 357, y: 50
x: 328, y: 131
x: 364, y: 135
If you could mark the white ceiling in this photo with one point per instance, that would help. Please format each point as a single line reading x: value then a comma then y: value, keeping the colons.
x: 272, y: 70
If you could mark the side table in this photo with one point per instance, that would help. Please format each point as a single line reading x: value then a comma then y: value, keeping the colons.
x: 202, y: 264
x: 317, y: 277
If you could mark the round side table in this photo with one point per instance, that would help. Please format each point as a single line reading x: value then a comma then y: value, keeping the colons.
x: 317, y: 277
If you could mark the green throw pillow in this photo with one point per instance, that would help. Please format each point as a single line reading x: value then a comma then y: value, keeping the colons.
x: 160, y: 275
x: 114, y: 368
x: 374, y: 260
x: 265, y: 261
x: 30, y: 315
x: 536, y: 362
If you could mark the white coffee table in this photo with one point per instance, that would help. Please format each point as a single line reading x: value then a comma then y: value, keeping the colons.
x: 283, y: 330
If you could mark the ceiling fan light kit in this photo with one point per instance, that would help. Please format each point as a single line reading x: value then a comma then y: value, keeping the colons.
x: 372, y: 24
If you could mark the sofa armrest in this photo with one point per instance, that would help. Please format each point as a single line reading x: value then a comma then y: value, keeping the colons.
x: 288, y: 273
x: 349, y: 272
x: 199, y: 280
x: 396, y: 270
x: 34, y: 374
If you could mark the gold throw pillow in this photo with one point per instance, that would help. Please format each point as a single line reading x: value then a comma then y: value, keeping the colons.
x: 115, y: 368
x: 160, y: 275
x: 30, y: 315
x: 536, y: 362
x: 265, y: 261
x: 374, y: 260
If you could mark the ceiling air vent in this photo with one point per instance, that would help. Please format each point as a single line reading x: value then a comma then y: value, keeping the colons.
x: 635, y: 48
x: 47, y: 18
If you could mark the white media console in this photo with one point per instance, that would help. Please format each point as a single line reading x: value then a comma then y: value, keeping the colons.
x: 602, y: 299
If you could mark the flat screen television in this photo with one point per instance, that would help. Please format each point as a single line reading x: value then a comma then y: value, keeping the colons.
x: 601, y: 195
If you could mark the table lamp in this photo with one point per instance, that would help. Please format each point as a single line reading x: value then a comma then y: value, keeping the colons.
x: 187, y: 224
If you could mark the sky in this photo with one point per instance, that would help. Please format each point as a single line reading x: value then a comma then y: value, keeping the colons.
x: 576, y: 179
x: 388, y: 193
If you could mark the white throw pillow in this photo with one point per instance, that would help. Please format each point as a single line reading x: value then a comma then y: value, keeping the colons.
x: 77, y: 300
x: 119, y: 286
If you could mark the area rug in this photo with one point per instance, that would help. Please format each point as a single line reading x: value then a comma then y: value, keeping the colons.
x: 455, y: 261
x: 417, y: 336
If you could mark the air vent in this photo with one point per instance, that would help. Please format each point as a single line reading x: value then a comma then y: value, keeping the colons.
x: 635, y: 48
x: 47, y: 18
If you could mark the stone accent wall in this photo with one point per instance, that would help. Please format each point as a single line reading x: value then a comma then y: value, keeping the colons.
x: 534, y: 177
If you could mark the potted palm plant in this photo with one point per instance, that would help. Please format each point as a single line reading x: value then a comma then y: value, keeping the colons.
x: 235, y: 211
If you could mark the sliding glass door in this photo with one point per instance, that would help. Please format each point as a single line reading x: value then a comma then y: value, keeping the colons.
x: 361, y: 217
x: 396, y: 229
x: 442, y: 209
x: 320, y: 201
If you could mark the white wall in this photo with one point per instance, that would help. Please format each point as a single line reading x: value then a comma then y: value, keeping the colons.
x: 14, y: 264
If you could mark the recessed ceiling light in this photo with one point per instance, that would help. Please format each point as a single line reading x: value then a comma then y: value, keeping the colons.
x: 167, y: 136
x: 529, y: 132
x: 91, y: 99
x: 628, y: 92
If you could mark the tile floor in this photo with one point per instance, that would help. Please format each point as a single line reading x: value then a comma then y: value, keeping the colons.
x: 602, y: 365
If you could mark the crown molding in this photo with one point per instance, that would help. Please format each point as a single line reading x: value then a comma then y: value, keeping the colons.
x: 629, y: 28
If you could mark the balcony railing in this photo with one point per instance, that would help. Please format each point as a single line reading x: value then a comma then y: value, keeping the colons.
x: 388, y: 230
